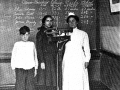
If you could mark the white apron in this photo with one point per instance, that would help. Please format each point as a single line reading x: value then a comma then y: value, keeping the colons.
x: 75, y: 76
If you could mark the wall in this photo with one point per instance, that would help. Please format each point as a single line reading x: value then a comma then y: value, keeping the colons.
x: 109, y: 28
x: 110, y: 46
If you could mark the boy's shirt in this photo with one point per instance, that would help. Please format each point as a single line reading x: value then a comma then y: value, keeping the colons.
x: 24, y: 55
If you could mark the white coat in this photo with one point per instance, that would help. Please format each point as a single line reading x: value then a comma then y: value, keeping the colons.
x: 77, y: 52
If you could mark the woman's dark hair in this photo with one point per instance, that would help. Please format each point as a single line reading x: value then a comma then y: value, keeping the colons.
x: 72, y: 16
x: 45, y: 17
x: 24, y: 29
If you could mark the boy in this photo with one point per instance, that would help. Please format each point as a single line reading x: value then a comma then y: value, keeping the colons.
x: 24, y: 61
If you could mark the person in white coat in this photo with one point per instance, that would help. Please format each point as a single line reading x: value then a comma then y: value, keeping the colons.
x: 76, y: 58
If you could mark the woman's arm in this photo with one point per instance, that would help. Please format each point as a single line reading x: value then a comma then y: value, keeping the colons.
x: 39, y: 47
x: 86, y: 48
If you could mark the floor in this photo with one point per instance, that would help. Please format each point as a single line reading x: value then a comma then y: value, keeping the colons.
x: 93, y: 85
x: 97, y: 86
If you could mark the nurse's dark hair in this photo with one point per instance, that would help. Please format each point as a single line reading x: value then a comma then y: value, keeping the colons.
x: 24, y: 29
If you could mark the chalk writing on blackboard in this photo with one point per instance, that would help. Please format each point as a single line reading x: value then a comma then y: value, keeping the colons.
x: 56, y: 5
x: 29, y: 17
x: 7, y: 16
x: 42, y: 3
x: 29, y: 13
x: 42, y: 9
x: 19, y: 13
x: 32, y: 23
x: 87, y: 11
x: 18, y: 22
x: 18, y: 17
x: 2, y: 21
x: 71, y: 5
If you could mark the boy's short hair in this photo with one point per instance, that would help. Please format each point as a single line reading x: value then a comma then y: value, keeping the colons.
x: 72, y: 16
x: 45, y: 17
x: 24, y: 29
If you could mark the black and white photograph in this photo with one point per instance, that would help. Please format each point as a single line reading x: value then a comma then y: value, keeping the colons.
x: 59, y: 44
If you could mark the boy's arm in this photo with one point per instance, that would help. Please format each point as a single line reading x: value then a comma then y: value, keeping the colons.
x: 13, y: 57
x: 35, y: 58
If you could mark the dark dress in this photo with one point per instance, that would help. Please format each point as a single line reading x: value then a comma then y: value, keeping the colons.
x: 47, y: 53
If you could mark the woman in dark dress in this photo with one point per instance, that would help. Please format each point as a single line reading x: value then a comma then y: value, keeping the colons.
x: 47, y: 54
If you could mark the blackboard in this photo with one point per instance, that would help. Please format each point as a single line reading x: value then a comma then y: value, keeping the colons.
x: 16, y: 13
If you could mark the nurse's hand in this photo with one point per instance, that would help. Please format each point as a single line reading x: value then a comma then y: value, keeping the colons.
x: 86, y: 64
x: 42, y: 65
x: 35, y: 72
